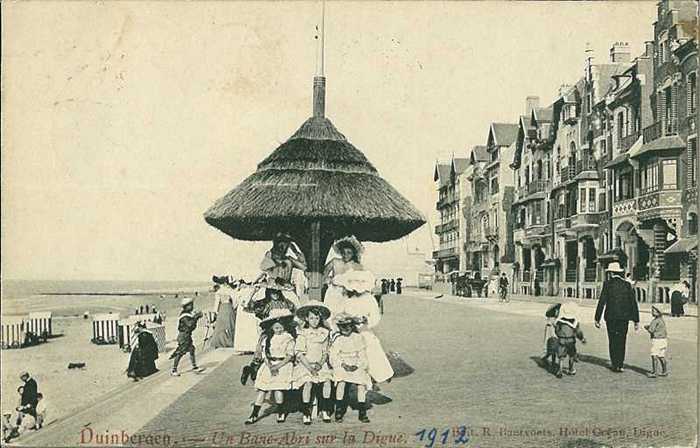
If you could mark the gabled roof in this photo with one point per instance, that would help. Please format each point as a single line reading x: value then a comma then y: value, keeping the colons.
x: 442, y: 173
x: 542, y: 114
x: 459, y: 165
x: 504, y: 134
x: 606, y: 73
x: 479, y: 154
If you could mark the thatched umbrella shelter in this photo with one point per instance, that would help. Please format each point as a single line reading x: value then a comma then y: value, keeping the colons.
x: 317, y: 187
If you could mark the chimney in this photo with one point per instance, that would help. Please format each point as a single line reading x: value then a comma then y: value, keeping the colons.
x: 563, y: 89
x: 531, y: 103
x: 620, y: 52
x: 649, y: 49
x: 319, y: 96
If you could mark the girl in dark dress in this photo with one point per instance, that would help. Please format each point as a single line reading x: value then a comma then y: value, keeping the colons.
x: 144, y: 353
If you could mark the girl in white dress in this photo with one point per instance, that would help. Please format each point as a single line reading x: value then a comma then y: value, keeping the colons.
x: 350, y: 250
x: 312, y: 369
x: 348, y: 358
x: 361, y: 303
x: 275, y: 375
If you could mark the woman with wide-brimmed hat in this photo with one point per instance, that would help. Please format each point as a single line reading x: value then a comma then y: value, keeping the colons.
x: 275, y: 374
x: 312, y: 370
x: 350, y: 252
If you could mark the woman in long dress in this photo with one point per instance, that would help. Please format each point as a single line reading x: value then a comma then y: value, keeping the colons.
x: 225, y: 304
x: 144, y: 352
x: 350, y: 251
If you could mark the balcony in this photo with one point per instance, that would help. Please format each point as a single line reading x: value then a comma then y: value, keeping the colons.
x: 537, y: 186
x: 562, y: 224
x: 491, y: 232
x: 446, y: 227
x: 649, y: 204
x: 624, y: 207
x: 659, y: 129
x: 444, y: 253
x: 586, y: 220
x: 589, y: 275
x: 587, y: 164
x: 626, y: 143
x: 568, y: 173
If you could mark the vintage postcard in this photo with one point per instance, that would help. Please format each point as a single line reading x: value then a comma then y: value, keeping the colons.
x: 349, y: 224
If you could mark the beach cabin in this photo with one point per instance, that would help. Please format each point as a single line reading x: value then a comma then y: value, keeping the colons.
x: 105, y: 328
x: 13, y: 333
x: 126, y: 332
x: 39, y: 323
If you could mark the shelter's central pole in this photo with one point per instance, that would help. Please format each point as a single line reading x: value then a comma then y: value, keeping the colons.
x: 316, y: 266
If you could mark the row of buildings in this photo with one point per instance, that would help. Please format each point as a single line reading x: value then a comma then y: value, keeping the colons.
x: 606, y: 172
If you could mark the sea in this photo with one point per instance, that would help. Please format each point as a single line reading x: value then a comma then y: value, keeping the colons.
x: 23, y: 289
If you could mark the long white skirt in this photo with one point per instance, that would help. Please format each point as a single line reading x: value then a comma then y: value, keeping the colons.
x: 246, y: 333
x: 335, y: 300
x: 378, y: 364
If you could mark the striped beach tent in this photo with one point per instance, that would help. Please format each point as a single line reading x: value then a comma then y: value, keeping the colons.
x: 39, y: 323
x: 126, y: 332
x: 105, y: 328
x: 158, y: 331
x: 13, y: 333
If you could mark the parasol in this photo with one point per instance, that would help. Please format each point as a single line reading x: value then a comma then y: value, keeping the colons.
x: 317, y: 187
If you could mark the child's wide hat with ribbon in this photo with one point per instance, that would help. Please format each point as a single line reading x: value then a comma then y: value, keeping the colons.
x: 280, y: 315
x: 317, y: 307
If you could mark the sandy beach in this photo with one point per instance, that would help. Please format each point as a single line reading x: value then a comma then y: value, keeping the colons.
x: 69, y: 389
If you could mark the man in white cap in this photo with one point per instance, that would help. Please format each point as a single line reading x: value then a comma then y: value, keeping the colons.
x: 618, y: 301
x: 187, y: 323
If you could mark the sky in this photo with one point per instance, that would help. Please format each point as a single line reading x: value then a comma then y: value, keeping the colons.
x: 122, y: 122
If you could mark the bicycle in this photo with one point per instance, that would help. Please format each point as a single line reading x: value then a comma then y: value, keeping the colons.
x: 503, y: 294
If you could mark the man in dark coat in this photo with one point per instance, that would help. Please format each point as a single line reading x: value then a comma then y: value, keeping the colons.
x: 29, y: 395
x: 617, y: 299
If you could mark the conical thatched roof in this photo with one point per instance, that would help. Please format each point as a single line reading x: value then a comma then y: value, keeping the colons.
x: 316, y: 175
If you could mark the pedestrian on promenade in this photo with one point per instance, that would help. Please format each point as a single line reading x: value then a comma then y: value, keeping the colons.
x: 144, y: 352
x: 618, y: 306
x: 41, y: 411
x: 275, y: 374
x: 659, y: 342
x: 29, y: 393
x: 399, y: 287
x: 187, y: 323
x: 567, y: 330
x: 679, y: 297
x: 503, y: 287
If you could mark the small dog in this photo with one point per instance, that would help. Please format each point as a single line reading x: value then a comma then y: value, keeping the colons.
x: 76, y: 365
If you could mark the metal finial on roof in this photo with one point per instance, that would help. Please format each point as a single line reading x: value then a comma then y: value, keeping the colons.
x: 319, y: 99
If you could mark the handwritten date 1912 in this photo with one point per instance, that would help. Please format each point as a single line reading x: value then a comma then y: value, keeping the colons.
x: 459, y: 435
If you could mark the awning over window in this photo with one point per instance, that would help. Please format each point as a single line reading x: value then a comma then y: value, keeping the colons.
x: 619, y: 160
x: 683, y: 245
x: 660, y: 144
